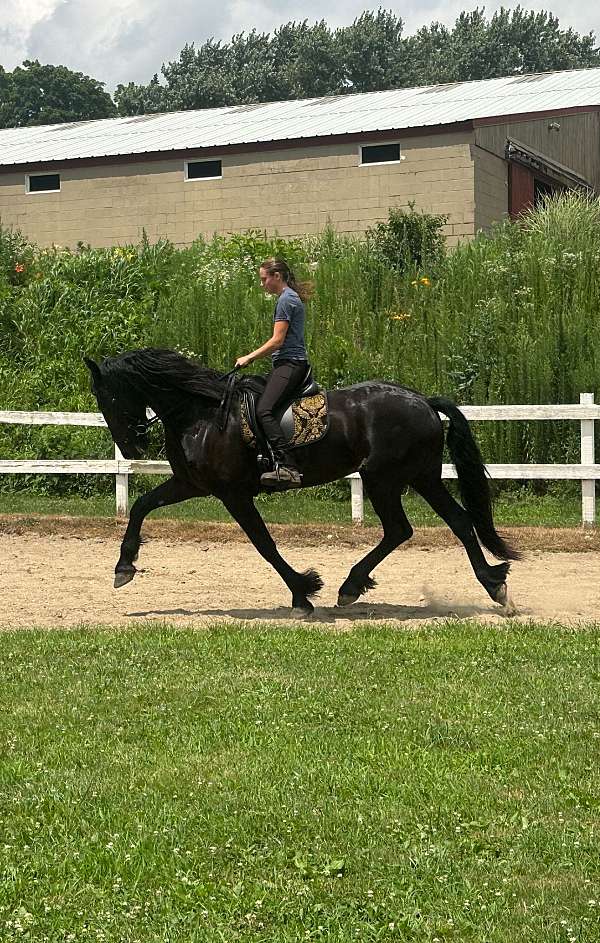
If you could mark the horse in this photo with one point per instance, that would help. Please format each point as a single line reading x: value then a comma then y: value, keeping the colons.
x: 392, y: 435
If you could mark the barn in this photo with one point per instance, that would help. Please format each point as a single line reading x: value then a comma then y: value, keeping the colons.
x: 472, y: 151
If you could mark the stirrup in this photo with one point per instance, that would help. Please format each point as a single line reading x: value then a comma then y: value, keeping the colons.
x: 283, y: 474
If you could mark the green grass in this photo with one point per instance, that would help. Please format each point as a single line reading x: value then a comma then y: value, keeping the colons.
x: 260, y: 784
x: 559, y: 508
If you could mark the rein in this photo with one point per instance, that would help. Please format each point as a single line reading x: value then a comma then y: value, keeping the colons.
x: 225, y: 404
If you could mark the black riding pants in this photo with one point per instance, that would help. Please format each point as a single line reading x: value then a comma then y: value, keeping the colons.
x: 281, y: 382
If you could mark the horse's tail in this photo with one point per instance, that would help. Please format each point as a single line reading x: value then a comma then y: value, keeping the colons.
x: 472, y: 479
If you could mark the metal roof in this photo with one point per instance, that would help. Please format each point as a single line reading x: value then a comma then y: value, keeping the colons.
x: 399, y: 109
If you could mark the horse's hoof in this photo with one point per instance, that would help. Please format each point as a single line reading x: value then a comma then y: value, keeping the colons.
x: 346, y: 600
x: 504, y: 600
x: 122, y: 577
x: 302, y: 613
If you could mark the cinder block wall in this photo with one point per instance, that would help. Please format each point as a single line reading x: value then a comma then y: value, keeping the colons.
x: 491, y: 188
x: 288, y: 191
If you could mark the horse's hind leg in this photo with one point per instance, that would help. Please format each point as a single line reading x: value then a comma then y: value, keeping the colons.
x: 492, y: 578
x: 385, y: 494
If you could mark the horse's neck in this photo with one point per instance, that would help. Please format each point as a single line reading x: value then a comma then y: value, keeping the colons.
x: 181, y: 411
x: 162, y: 402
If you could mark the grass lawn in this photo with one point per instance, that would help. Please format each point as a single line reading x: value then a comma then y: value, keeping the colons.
x: 260, y: 784
x: 559, y: 508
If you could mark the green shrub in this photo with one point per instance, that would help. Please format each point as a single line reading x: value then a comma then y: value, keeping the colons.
x: 510, y: 317
x: 409, y: 241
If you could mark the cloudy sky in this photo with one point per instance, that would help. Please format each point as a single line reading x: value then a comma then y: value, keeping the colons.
x: 128, y: 40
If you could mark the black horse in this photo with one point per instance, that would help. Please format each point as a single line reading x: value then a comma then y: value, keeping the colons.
x: 392, y: 435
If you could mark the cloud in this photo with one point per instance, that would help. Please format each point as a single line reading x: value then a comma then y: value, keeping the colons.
x: 114, y: 40
x: 128, y: 40
x: 19, y: 17
x: 121, y: 40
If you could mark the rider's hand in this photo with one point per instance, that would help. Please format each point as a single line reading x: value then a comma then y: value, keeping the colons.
x: 243, y: 361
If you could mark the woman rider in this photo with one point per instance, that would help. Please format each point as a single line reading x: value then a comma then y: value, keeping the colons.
x: 290, y: 362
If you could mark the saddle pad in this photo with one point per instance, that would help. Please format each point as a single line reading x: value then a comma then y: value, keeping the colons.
x: 308, y: 415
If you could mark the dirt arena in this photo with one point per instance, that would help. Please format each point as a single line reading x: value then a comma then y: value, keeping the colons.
x: 59, y: 572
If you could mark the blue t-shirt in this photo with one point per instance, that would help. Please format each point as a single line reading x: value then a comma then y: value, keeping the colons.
x: 290, y: 308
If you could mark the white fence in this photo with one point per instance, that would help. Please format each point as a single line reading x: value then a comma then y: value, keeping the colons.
x: 586, y: 471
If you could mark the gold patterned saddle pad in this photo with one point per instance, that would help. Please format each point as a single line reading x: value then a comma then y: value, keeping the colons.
x: 304, y: 422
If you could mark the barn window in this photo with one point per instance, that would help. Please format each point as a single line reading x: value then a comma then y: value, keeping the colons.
x: 380, y: 153
x: 203, y: 169
x: 42, y: 183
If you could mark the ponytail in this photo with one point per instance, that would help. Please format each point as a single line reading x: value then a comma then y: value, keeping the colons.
x: 277, y: 264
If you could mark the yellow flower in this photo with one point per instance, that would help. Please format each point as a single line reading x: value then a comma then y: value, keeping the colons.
x: 401, y: 316
x: 425, y: 281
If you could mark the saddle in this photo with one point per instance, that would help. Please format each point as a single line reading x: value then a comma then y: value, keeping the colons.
x: 303, y: 416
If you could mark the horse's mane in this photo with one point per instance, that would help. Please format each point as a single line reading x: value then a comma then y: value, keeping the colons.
x: 153, y: 368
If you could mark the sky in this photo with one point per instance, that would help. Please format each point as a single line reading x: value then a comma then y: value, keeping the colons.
x: 120, y: 41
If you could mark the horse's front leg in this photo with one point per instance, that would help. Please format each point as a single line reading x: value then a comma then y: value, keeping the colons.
x: 171, y: 491
x: 301, y: 585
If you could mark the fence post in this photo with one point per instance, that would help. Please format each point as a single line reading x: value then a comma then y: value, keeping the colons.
x: 121, y: 486
x: 588, y: 487
x: 356, y: 489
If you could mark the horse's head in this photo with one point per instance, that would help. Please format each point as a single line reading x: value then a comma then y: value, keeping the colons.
x: 124, y: 412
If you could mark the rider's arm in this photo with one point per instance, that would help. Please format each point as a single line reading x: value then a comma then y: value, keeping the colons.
x: 280, y: 329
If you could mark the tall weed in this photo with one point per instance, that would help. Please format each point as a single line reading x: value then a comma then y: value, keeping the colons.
x: 511, y: 317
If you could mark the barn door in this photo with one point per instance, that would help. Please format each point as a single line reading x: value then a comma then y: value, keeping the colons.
x: 521, y: 189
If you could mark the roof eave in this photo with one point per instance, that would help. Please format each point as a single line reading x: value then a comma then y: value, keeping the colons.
x: 289, y: 143
x: 535, y: 115
x: 245, y: 147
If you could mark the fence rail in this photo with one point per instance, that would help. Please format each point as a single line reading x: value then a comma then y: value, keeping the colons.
x: 586, y: 412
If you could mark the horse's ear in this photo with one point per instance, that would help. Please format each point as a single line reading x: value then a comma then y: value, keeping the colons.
x: 93, y: 368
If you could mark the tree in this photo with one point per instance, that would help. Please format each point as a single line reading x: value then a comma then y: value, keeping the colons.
x: 427, y: 51
x: 309, y: 60
x: 373, y: 54
x: 297, y: 61
x: 47, y: 94
x: 148, y: 99
x: 300, y: 60
x: 200, y: 78
x: 253, y: 63
x: 513, y: 42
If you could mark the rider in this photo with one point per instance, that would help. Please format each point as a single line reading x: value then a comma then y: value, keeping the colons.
x: 289, y: 358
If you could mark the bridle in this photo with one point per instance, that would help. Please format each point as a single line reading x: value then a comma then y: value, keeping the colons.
x: 139, y: 427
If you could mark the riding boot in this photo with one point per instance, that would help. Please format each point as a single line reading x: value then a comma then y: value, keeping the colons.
x: 285, y: 474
